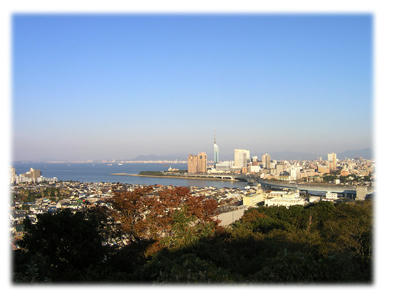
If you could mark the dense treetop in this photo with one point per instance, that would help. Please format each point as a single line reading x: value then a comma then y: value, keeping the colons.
x: 173, y: 238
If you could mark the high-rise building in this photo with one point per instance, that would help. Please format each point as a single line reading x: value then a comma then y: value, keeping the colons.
x: 216, y: 152
x: 192, y: 164
x: 266, y: 161
x: 241, y: 157
x: 202, y: 162
x: 197, y: 163
x: 35, y: 174
x: 13, y: 175
x: 332, y: 161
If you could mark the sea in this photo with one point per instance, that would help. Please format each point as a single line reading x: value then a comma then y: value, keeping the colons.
x: 100, y: 172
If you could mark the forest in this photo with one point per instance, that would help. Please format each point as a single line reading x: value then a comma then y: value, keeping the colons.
x: 173, y: 237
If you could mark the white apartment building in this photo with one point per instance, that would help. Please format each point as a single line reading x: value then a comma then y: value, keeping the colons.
x: 294, y: 172
x: 313, y: 199
x: 241, y: 156
x: 255, y: 169
x: 284, y: 199
x: 331, y: 196
x: 274, y: 198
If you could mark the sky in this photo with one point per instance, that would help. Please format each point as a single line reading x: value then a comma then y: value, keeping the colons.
x: 119, y: 86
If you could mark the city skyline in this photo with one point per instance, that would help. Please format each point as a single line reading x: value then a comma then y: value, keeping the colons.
x: 117, y: 87
x: 279, y: 156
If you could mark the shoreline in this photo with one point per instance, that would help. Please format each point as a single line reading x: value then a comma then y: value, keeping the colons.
x: 173, y: 176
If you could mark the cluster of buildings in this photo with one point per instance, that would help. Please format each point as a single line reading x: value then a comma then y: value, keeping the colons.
x: 284, y: 170
x: 32, y: 176
x: 290, y: 197
x: 232, y: 202
x: 285, y: 198
x: 274, y: 198
x: 78, y: 196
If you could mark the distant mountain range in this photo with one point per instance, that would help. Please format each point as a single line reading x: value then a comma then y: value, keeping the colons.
x: 364, y: 153
x: 160, y: 157
x: 283, y: 155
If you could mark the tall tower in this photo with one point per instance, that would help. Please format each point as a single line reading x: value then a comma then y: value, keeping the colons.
x: 216, y: 151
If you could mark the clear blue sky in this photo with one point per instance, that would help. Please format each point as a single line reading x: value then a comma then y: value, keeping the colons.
x: 118, y: 86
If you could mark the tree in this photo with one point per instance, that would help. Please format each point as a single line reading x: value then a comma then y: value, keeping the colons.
x: 148, y: 214
x: 60, y: 247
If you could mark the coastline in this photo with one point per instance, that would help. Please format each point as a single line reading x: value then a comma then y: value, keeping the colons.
x: 173, y: 176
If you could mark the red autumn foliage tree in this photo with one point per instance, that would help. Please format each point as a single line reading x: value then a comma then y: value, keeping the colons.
x: 148, y: 213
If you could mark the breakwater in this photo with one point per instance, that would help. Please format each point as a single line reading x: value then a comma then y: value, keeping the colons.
x: 175, y: 176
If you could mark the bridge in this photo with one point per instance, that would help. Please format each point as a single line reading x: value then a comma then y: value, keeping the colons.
x: 216, y: 176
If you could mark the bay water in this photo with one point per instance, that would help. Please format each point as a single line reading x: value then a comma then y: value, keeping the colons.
x: 100, y: 172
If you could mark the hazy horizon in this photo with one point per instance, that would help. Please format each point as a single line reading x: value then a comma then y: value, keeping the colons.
x: 97, y: 87
x: 365, y: 153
